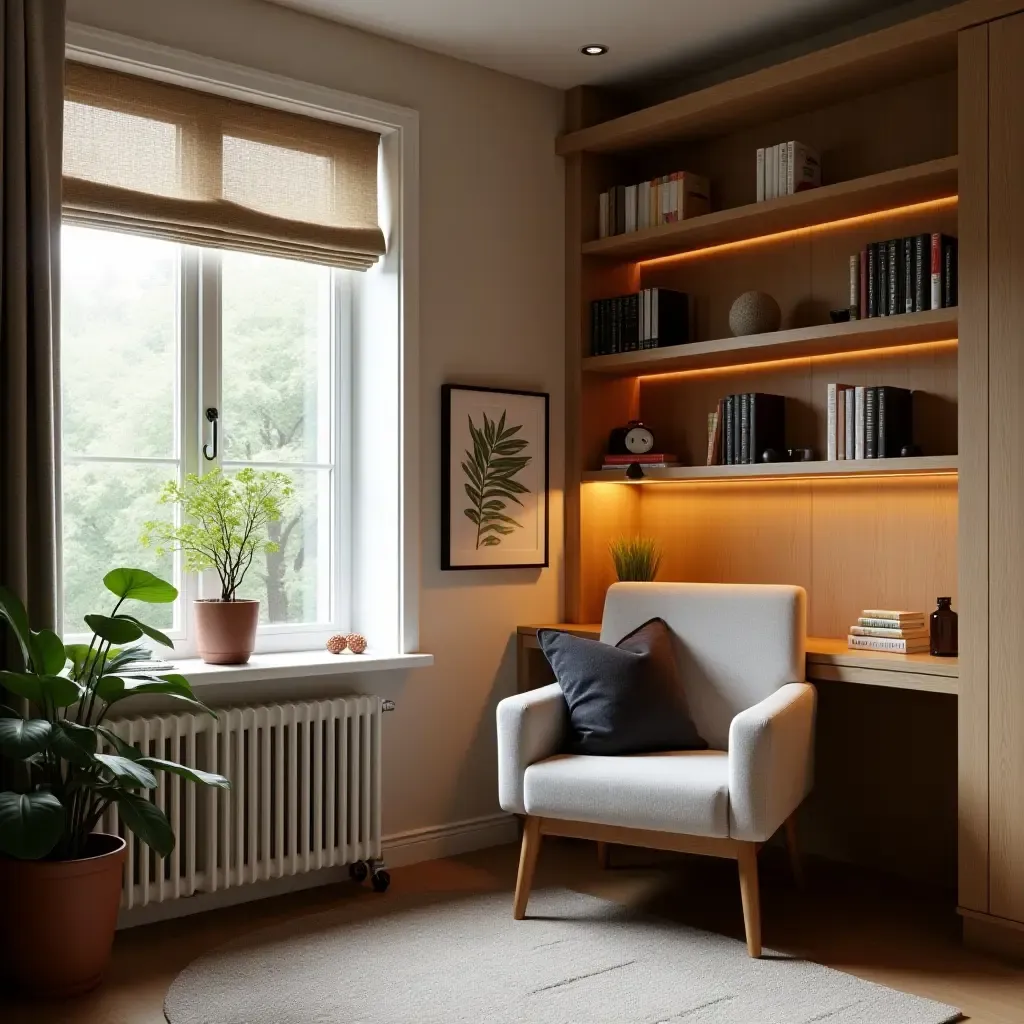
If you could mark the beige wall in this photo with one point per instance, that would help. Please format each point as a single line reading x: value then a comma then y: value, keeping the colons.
x: 492, y: 297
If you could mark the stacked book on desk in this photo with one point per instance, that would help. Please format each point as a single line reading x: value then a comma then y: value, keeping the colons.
x: 651, y: 460
x: 868, y: 423
x: 898, y: 632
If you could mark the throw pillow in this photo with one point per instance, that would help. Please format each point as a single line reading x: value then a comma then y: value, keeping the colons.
x: 623, y: 699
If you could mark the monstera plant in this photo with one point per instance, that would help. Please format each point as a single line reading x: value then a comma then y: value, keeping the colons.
x: 66, y: 766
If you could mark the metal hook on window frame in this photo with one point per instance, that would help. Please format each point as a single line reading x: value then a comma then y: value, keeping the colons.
x: 212, y: 416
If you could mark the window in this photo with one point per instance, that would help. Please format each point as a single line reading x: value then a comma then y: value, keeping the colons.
x: 153, y: 334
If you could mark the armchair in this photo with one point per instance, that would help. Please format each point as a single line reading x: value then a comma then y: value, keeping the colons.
x: 741, y: 653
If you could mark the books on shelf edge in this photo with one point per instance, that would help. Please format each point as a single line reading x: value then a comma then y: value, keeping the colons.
x: 759, y: 181
x: 666, y: 199
x: 897, y: 616
x: 854, y: 296
x: 895, y: 416
x: 767, y: 424
x: 850, y: 432
x: 835, y: 432
x: 866, y: 621
x: 859, y: 394
x: 871, y: 423
x: 648, y: 319
x: 717, y: 433
x: 878, y: 643
x: 917, y: 633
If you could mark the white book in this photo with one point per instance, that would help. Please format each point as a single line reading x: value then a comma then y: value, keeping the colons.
x: 780, y: 170
x: 602, y: 215
x: 841, y: 422
x: 916, y: 633
x: 855, y: 311
x: 851, y: 425
x: 858, y: 423
x: 760, y: 175
x: 833, y: 411
x: 631, y: 208
x: 896, y: 616
x: 784, y: 152
x: 804, y: 167
x: 666, y: 199
x: 878, y: 643
x: 869, y: 623
x: 769, y: 173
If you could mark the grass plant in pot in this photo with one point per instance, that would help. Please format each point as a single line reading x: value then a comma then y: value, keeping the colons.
x: 222, y: 527
x: 636, y: 559
x: 60, y: 881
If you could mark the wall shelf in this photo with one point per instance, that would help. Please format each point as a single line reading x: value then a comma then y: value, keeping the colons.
x: 930, y: 465
x: 876, y: 193
x: 823, y: 339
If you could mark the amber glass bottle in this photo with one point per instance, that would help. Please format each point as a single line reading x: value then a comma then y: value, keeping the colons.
x: 944, y: 629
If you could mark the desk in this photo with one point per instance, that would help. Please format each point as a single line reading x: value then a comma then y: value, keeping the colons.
x: 827, y: 660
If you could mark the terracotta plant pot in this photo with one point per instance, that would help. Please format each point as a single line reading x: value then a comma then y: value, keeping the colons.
x: 226, y: 630
x: 59, y: 916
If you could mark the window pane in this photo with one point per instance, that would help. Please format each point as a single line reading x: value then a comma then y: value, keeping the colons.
x: 276, y: 388
x: 293, y: 583
x: 119, y: 344
x: 105, y: 507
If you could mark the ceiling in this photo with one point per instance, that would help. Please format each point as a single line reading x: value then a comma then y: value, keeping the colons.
x: 540, y: 39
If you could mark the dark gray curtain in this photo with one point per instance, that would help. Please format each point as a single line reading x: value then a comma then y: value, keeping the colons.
x: 31, y: 136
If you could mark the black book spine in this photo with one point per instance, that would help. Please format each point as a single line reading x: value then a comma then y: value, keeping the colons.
x: 594, y: 344
x: 871, y: 423
x: 880, y: 419
x: 736, y: 427
x: 883, y: 279
x: 895, y: 421
x: 620, y: 209
x: 872, y: 279
x: 922, y: 244
x: 907, y: 286
x: 892, y: 277
x: 949, y: 272
x: 744, y: 429
x: 633, y: 310
x: 727, y: 431
x: 767, y: 424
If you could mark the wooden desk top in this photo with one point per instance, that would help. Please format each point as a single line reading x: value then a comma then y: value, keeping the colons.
x: 829, y: 659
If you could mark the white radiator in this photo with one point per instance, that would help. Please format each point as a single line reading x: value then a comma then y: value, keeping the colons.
x: 305, y: 794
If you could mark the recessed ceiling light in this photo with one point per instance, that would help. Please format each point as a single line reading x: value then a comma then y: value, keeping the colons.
x: 594, y: 49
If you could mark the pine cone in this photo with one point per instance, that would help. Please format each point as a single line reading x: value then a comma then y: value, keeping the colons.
x: 337, y: 644
x: 356, y: 643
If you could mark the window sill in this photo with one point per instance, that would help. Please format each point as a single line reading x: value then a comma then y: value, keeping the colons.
x: 295, y: 665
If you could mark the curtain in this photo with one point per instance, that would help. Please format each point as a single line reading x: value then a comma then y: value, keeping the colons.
x: 31, y: 127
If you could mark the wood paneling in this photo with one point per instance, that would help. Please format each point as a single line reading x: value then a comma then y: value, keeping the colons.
x: 1006, y: 481
x: 608, y: 511
x: 974, y: 470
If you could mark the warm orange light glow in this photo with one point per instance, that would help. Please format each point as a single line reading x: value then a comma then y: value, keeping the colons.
x: 780, y: 236
x: 923, y: 347
x: 775, y: 481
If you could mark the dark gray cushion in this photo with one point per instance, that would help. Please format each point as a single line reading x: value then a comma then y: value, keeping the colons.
x: 626, y: 699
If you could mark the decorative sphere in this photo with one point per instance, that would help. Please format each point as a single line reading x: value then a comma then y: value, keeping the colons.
x: 356, y: 643
x: 754, y: 313
x: 336, y: 644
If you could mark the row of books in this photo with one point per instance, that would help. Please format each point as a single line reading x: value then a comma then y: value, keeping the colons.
x: 744, y: 427
x: 664, y: 200
x: 650, y: 318
x: 786, y: 168
x: 904, y: 275
x: 901, y: 632
x: 869, y: 422
x: 650, y: 460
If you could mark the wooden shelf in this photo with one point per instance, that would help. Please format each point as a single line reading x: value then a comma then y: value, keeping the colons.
x: 829, y: 659
x: 934, y: 179
x: 945, y: 465
x: 824, y: 339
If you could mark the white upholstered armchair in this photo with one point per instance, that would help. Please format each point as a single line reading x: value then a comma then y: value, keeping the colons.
x: 741, y: 654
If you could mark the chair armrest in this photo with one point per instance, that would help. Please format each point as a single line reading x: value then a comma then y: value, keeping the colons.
x: 771, y: 761
x: 531, y: 727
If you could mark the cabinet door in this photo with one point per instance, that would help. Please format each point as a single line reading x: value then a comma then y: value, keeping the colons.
x: 1006, y: 468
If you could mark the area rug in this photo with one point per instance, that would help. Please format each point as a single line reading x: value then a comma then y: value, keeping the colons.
x: 463, y: 960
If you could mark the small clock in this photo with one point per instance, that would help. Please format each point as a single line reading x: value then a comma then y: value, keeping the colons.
x: 639, y: 440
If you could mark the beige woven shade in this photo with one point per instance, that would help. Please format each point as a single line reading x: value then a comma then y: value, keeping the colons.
x: 153, y: 159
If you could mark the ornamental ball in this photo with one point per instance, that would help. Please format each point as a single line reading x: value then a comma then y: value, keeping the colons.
x: 754, y: 313
x: 356, y: 643
x: 337, y: 644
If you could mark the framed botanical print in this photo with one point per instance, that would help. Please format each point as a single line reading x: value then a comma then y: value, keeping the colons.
x: 494, y: 488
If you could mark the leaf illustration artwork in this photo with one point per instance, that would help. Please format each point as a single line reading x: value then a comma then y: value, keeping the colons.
x: 490, y: 469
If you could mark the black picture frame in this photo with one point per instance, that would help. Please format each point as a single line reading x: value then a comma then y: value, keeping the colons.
x: 453, y: 556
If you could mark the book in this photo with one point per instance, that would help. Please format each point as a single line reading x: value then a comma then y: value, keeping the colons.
x: 712, y: 436
x: 760, y: 175
x: 883, y: 278
x: 771, y: 166
x: 893, y: 273
x: 939, y: 244
x: 895, y: 421
x: 737, y: 411
x: 621, y: 467
x: 896, y: 634
x: 784, y: 189
x: 949, y: 272
x: 727, y: 446
x: 855, y: 287
x: 602, y: 215
x: 872, y: 279
x: 922, y: 285
x: 767, y: 424
x: 892, y: 616
x: 874, y: 623
x: 850, y: 431
x: 871, y: 423
x: 858, y: 424
x: 841, y: 423
x: 833, y: 422
x: 630, y: 208
x: 620, y: 209
x: 745, y: 429
x: 803, y: 168
x: 879, y: 643
x: 862, y: 305
x: 907, y: 282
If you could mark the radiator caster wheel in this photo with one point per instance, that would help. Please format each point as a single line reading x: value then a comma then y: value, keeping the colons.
x: 381, y: 881
x: 358, y: 871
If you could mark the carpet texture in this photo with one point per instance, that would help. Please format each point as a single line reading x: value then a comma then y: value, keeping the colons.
x: 463, y: 960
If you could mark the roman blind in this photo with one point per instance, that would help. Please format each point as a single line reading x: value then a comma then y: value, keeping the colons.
x: 155, y: 159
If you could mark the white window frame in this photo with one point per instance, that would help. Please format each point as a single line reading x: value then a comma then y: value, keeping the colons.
x: 383, y: 599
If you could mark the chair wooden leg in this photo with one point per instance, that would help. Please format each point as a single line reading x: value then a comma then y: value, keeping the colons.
x: 794, y: 850
x: 602, y: 856
x: 750, y: 895
x: 527, y: 863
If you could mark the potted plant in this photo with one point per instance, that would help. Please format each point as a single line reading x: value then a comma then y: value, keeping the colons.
x: 636, y: 559
x: 223, y: 525
x: 60, y: 881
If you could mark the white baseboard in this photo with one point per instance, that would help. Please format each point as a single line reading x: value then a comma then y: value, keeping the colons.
x: 399, y: 850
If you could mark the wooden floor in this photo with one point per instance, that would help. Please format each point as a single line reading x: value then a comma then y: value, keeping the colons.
x: 871, y: 926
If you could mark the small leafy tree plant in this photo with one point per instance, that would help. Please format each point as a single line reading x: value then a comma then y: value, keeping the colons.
x: 66, y: 764
x: 224, y: 522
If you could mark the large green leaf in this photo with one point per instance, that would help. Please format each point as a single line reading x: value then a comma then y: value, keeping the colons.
x: 150, y: 631
x: 21, y: 738
x: 128, y: 771
x: 31, y: 824
x: 73, y: 743
x: 147, y: 821
x: 139, y: 585
x: 13, y: 611
x: 123, y: 747
x: 59, y: 690
x: 116, y: 688
x: 115, y: 631
x: 193, y: 774
x: 50, y: 652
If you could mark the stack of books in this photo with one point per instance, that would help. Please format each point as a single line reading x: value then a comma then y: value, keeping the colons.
x: 869, y: 422
x: 650, y: 460
x: 786, y: 168
x: 744, y: 427
x: 898, y: 632
x: 664, y: 200
x: 650, y: 318
x: 904, y: 275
